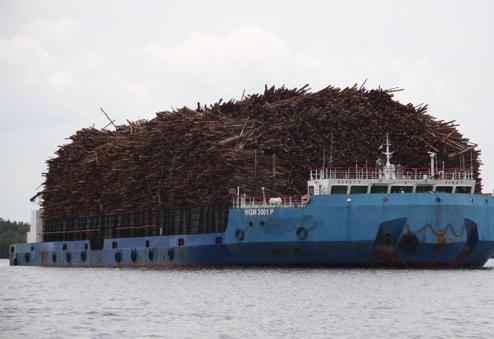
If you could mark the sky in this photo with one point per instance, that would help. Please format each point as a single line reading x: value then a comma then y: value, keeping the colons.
x: 61, y: 60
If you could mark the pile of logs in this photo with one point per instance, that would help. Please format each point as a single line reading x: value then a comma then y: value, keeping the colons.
x: 189, y: 157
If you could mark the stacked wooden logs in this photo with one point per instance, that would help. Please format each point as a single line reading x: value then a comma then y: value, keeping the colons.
x: 190, y: 157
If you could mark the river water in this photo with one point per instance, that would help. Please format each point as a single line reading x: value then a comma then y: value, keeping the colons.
x: 246, y: 302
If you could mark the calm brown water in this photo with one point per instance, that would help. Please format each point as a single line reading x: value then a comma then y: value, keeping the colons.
x: 38, y: 302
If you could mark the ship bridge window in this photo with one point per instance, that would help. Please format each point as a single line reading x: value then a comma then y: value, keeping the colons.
x: 463, y: 189
x: 339, y: 189
x: 445, y: 189
x: 379, y: 189
x: 358, y: 189
x: 311, y: 190
x: 424, y: 188
x: 401, y: 189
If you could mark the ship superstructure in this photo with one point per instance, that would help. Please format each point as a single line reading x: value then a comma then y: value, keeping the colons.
x: 388, y: 178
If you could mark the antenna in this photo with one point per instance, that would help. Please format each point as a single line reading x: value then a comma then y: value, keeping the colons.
x: 331, y: 154
x: 255, y: 170
x: 324, y: 161
x: 471, y: 162
x: 331, y: 149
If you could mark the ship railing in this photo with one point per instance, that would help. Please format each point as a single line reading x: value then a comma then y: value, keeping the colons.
x: 283, y: 201
x: 400, y: 173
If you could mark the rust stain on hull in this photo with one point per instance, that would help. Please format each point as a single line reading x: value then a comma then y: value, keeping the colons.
x: 44, y: 257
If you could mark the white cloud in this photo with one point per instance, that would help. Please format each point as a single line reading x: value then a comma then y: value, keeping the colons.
x: 94, y: 58
x: 20, y: 49
x: 36, y: 54
x: 62, y: 79
x: 132, y: 87
x: 248, y: 47
x: 31, y: 45
x: 51, y: 28
x: 420, y: 78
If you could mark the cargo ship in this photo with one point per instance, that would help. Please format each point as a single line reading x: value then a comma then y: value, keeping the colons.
x: 356, y: 217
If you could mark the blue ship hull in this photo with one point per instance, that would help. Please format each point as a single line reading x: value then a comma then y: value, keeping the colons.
x: 419, y: 229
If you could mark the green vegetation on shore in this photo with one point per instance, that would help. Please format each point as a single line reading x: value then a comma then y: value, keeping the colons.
x: 11, y: 232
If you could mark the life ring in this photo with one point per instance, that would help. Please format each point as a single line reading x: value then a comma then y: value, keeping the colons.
x: 54, y: 257
x: 83, y: 256
x: 118, y: 257
x: 151, y: 254
x: 239, y: 234
x: 133, y: 254
x: 68, y: 257
x: 27, y: 257
x: 170, y: 253
x: 302, y: 233
x: 409, y: 242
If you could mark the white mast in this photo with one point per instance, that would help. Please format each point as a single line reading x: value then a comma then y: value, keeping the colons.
x: 388, y: 154
x: 389, y: 169
x: 433, y: 156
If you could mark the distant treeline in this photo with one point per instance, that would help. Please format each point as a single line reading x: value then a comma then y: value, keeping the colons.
x: 11, y: 232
